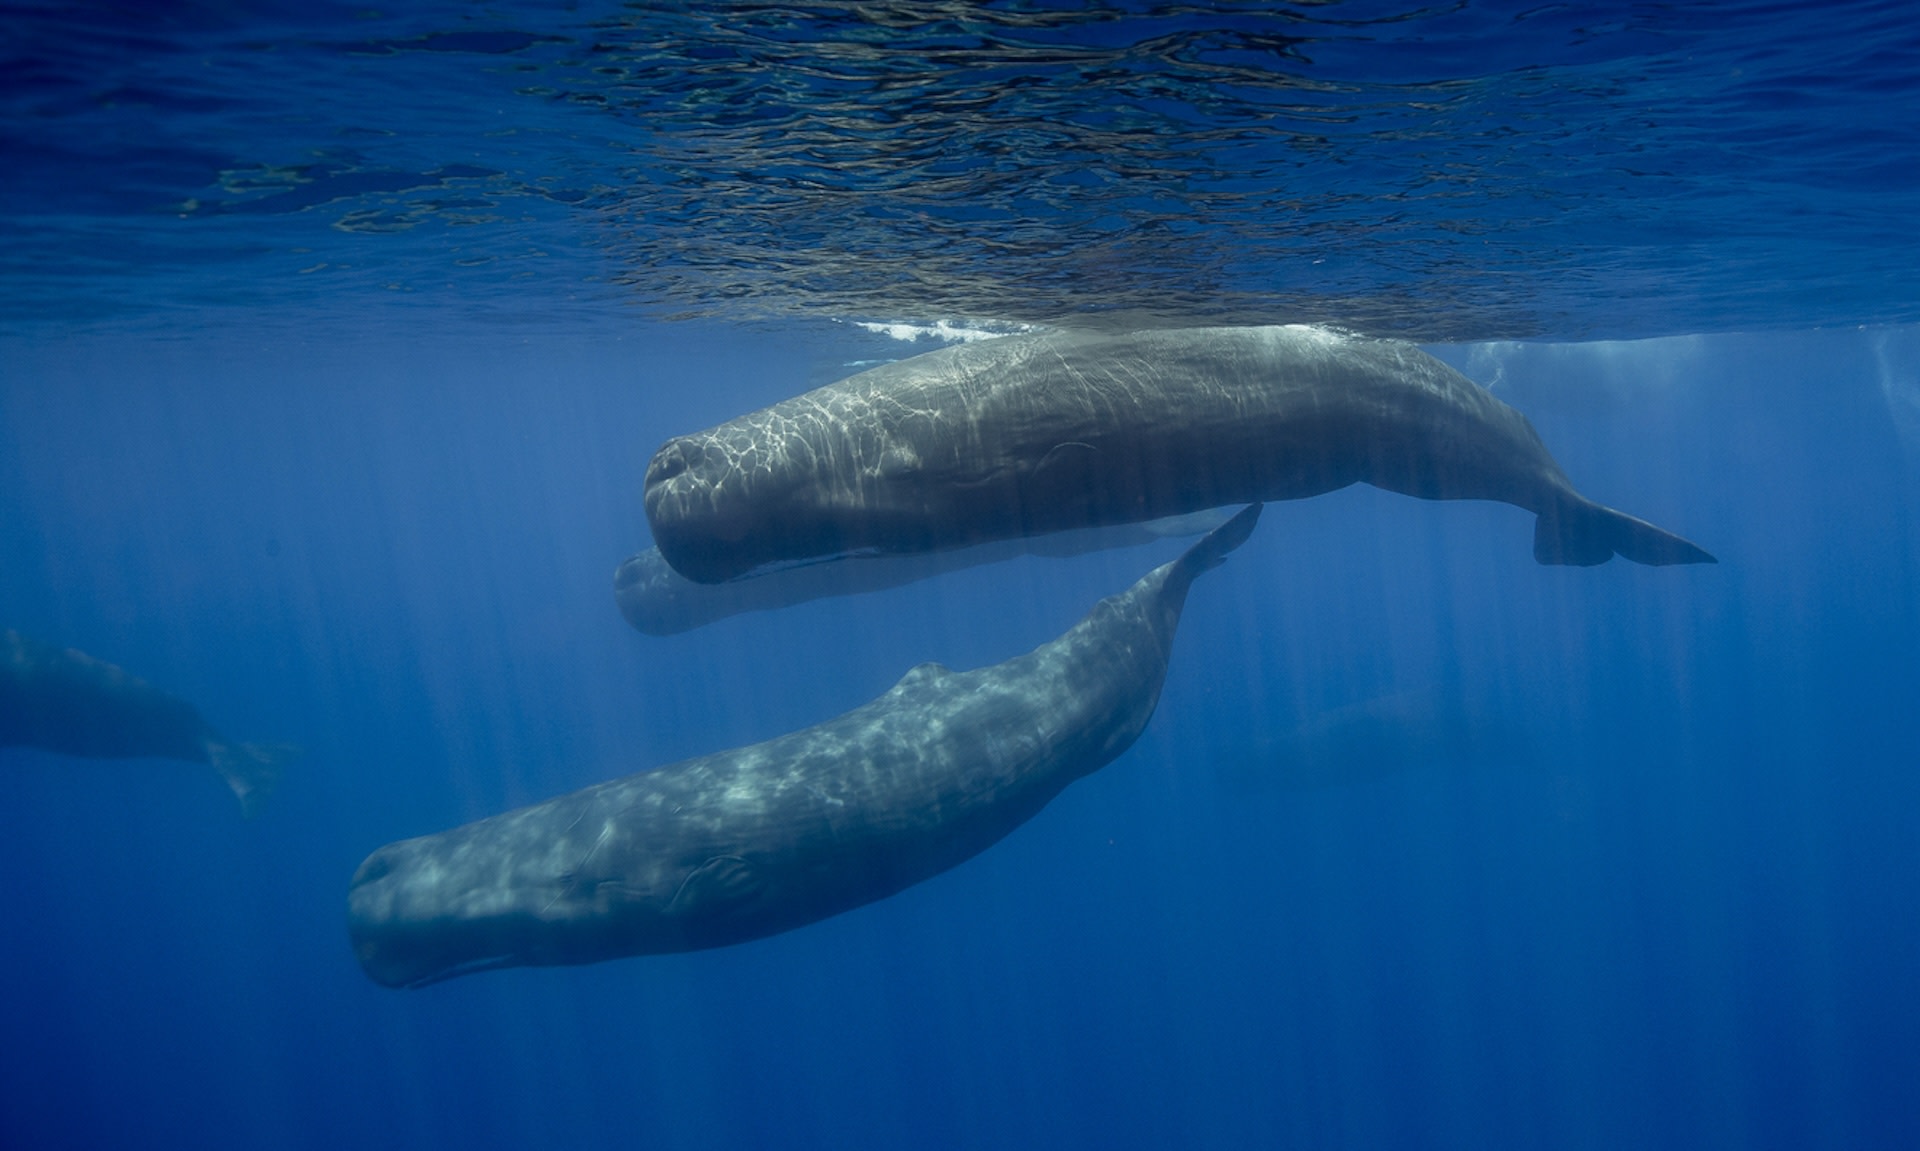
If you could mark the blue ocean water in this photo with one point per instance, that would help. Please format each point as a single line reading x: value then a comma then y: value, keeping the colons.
x: 333, y: 346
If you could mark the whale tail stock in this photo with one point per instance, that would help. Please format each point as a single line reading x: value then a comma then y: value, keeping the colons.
x: 1212, y: 549
x: 1586, y: 533
x: 250, y: 769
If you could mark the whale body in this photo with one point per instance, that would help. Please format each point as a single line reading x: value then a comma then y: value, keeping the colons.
x: 66, y: 701
x: 762, y: 839
x: 1028, y: 435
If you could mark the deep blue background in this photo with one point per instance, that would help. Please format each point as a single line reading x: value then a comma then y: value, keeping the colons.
x: 1672, y: 907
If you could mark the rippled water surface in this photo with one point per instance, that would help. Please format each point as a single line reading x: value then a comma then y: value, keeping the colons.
x: 1449, y: 171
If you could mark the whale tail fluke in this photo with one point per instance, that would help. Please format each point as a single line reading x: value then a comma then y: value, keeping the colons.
x: 1212, y: 549
x: 1586, y: 534
x: 250, y: 769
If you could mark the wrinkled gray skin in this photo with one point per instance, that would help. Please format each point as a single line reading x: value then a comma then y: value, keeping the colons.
x: 657, y: 600
x: 1027, y: 435
x: 66, y: 701
x: 762, y: 839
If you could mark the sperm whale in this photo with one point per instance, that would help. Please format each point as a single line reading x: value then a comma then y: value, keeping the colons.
x: 762, y: 839
x: 1034, y: 434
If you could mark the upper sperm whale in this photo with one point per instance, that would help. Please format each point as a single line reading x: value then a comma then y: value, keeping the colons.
x: 1027, y: 435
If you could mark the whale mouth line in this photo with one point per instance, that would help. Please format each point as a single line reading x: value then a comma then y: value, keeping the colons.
x: 776, y: 567
x: 469, y: 967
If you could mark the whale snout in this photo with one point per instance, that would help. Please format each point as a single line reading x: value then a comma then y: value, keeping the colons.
x: 682, y: 505
x: 674, y: 459
x: 409, y: 924
x: 379, y: 906
x: 706, y: 509
x: 642, y: 579
x: 688, y: 475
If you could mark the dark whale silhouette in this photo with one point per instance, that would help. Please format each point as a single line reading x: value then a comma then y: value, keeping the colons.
x: 67, y: 701
x: 762, y: 839
x: 1371, y: 739
x: 1027, y: 435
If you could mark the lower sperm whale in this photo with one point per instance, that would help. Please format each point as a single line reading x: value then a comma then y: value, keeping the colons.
x: 1028, y: 435
x: 761, y: 839
x: 66, y: 701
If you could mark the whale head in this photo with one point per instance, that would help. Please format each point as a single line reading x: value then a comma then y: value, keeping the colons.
x: 712, y: 510
x: 502, y: 892
x: 725, y: 502
x: 413, y: 920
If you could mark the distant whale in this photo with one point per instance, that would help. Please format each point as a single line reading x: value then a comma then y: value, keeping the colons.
x: 69, y: 702
x: 1374, y: 738
x: 657, y: 600
x: 1027, y: 435
x: 762, y: 839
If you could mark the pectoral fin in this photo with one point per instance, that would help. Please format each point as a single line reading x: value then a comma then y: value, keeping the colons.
x: 716, y: 887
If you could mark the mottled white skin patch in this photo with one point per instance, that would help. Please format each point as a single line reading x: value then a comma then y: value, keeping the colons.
x: 1061, y: 430
x: 761, y: 839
